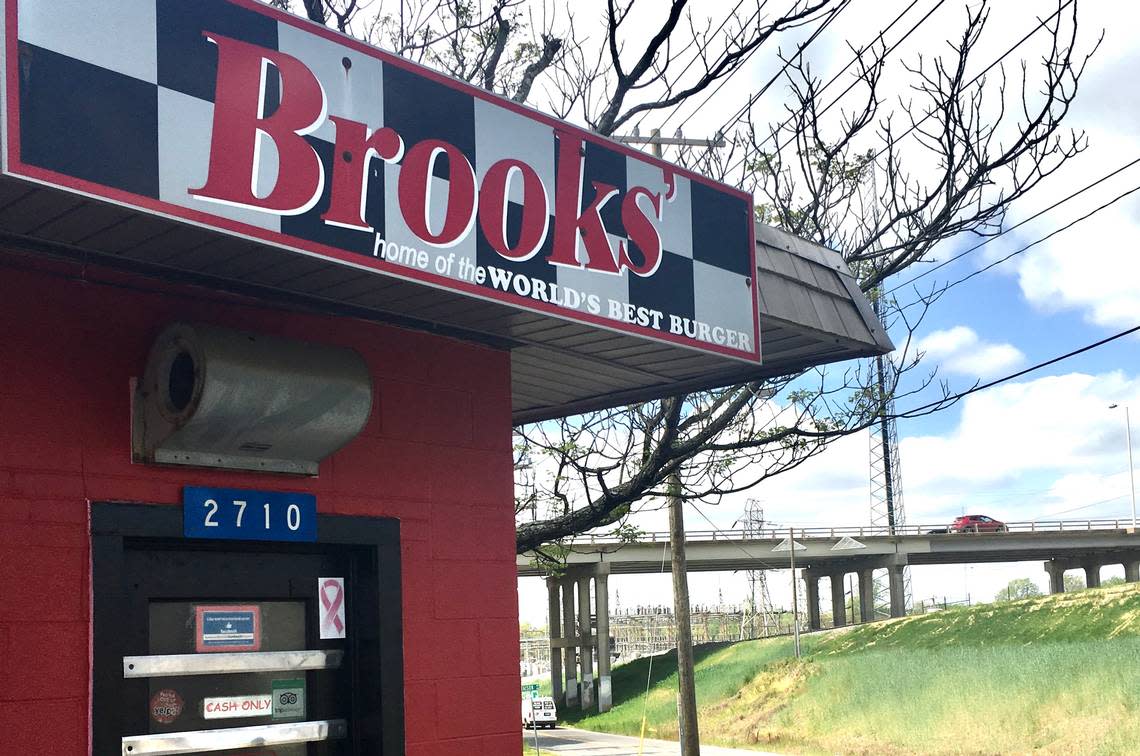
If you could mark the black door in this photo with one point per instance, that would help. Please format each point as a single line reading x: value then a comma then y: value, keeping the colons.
x: 217, y: 646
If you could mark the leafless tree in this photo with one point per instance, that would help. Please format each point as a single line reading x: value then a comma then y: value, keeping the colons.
x: 507, y: 46
x: 496, y: 47
x: 882, y: 180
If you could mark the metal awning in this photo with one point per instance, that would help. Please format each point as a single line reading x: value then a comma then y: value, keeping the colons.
x: 811, y: 309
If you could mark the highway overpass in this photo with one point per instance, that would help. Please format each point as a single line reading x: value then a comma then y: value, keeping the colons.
x: 818, y: 553
x: 825, y: 549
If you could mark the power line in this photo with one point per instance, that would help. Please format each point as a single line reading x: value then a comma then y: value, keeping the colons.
x: 850, y: 63
x: 922, y: 120
x: 988, y: 68
x: 746, y: 552
x: 970, y: 83
x: 1041, y: 24
x: 696, y: 57
x: 753, y: 98
x: 1033, y: 244
x: 1005, y: 231
x: 850, y: 86
x: 983, y: 386
x: 1076, y: 509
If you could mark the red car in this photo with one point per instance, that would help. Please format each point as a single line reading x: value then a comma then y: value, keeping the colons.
x: 977, y: 524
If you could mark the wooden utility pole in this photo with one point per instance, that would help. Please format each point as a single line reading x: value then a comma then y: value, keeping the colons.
x: 689, y: 735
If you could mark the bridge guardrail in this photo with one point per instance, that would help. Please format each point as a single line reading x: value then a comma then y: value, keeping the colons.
x: 745, y: 534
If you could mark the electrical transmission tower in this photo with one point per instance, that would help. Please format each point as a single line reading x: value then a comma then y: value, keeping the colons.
x: 887, y: 510
x: 759, y: 619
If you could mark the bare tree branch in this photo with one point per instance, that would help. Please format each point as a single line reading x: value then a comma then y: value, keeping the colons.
x: 838, y: 176
x: 883, y: 180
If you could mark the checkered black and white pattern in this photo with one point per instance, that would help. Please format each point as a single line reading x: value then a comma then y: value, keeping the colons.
x: 119, y: 93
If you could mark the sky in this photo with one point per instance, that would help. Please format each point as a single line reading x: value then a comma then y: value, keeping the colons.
x: 1045, y: 446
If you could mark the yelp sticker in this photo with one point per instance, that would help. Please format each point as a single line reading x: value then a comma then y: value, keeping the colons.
x: 166, y: 706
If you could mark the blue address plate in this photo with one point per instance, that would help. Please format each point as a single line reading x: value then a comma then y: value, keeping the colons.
x: 239, y: 514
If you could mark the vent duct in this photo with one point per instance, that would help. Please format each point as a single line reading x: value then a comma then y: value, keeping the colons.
x: 214, y: 397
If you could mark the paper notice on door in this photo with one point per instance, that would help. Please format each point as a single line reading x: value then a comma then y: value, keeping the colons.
x: 330, y: 597
x: 229, y: 707
x: 227, y: 628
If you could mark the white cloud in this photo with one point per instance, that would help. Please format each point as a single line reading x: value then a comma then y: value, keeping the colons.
x: 1041, y: 447
x: 1092, y: 269
x: 960, y: 350
x: 1039, y: 431
x: 1095, y: 270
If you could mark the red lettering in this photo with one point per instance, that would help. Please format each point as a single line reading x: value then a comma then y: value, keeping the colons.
x: 415, y: 193
x: 641, y: 232
x: 493, y: 209
x: 570, y: 218
x: 355, y: 148
x: 241, y: 128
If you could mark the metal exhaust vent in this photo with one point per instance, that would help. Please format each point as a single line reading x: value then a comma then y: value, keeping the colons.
x: 212, y: 397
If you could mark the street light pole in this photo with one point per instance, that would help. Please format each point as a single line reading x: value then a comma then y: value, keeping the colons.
x: 1131, y: 472
x: 1131, y: 469
x: 795, y: 593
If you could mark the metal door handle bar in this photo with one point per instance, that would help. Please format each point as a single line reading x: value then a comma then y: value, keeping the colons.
x: 200, y: 741
x: 171, y: 665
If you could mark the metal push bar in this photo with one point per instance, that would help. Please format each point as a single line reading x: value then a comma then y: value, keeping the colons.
x: 199, y: 741
x: 219, y: 664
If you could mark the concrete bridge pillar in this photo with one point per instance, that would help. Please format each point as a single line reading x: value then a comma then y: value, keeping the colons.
x: 602, y: 608
x: 554, y: 625
x: 811, y: 582
x: 1056, y: 572
x: 1092, y: 574
x: 838, y: 601
x: 1132, y: 571
x: 585, y: 649
x: 569, y: 635
x: 898, y: 593
x: 866, y: 595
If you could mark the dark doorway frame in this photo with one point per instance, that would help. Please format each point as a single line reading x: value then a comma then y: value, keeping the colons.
x: 373, y: 547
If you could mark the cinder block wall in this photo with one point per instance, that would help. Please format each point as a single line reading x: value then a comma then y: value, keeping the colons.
x: 436, y: 454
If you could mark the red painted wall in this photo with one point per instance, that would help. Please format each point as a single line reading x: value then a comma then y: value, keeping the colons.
x: 436, y: 454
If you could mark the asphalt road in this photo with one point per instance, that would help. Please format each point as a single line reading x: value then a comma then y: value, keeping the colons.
x: 566, y: 740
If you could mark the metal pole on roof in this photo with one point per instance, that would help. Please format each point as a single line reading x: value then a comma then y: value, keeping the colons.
x: 655, y: 140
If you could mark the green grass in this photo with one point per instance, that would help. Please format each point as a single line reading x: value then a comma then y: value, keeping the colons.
x: 1057, y: 675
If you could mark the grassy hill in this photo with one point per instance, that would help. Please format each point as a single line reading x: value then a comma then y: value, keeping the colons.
x: 1053, y: 675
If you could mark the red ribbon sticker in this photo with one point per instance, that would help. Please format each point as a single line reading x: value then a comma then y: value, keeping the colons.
x: 166, y: 706
x: 330, y: 591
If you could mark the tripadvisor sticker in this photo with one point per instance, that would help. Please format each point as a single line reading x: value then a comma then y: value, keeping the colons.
x: 288, y: 699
